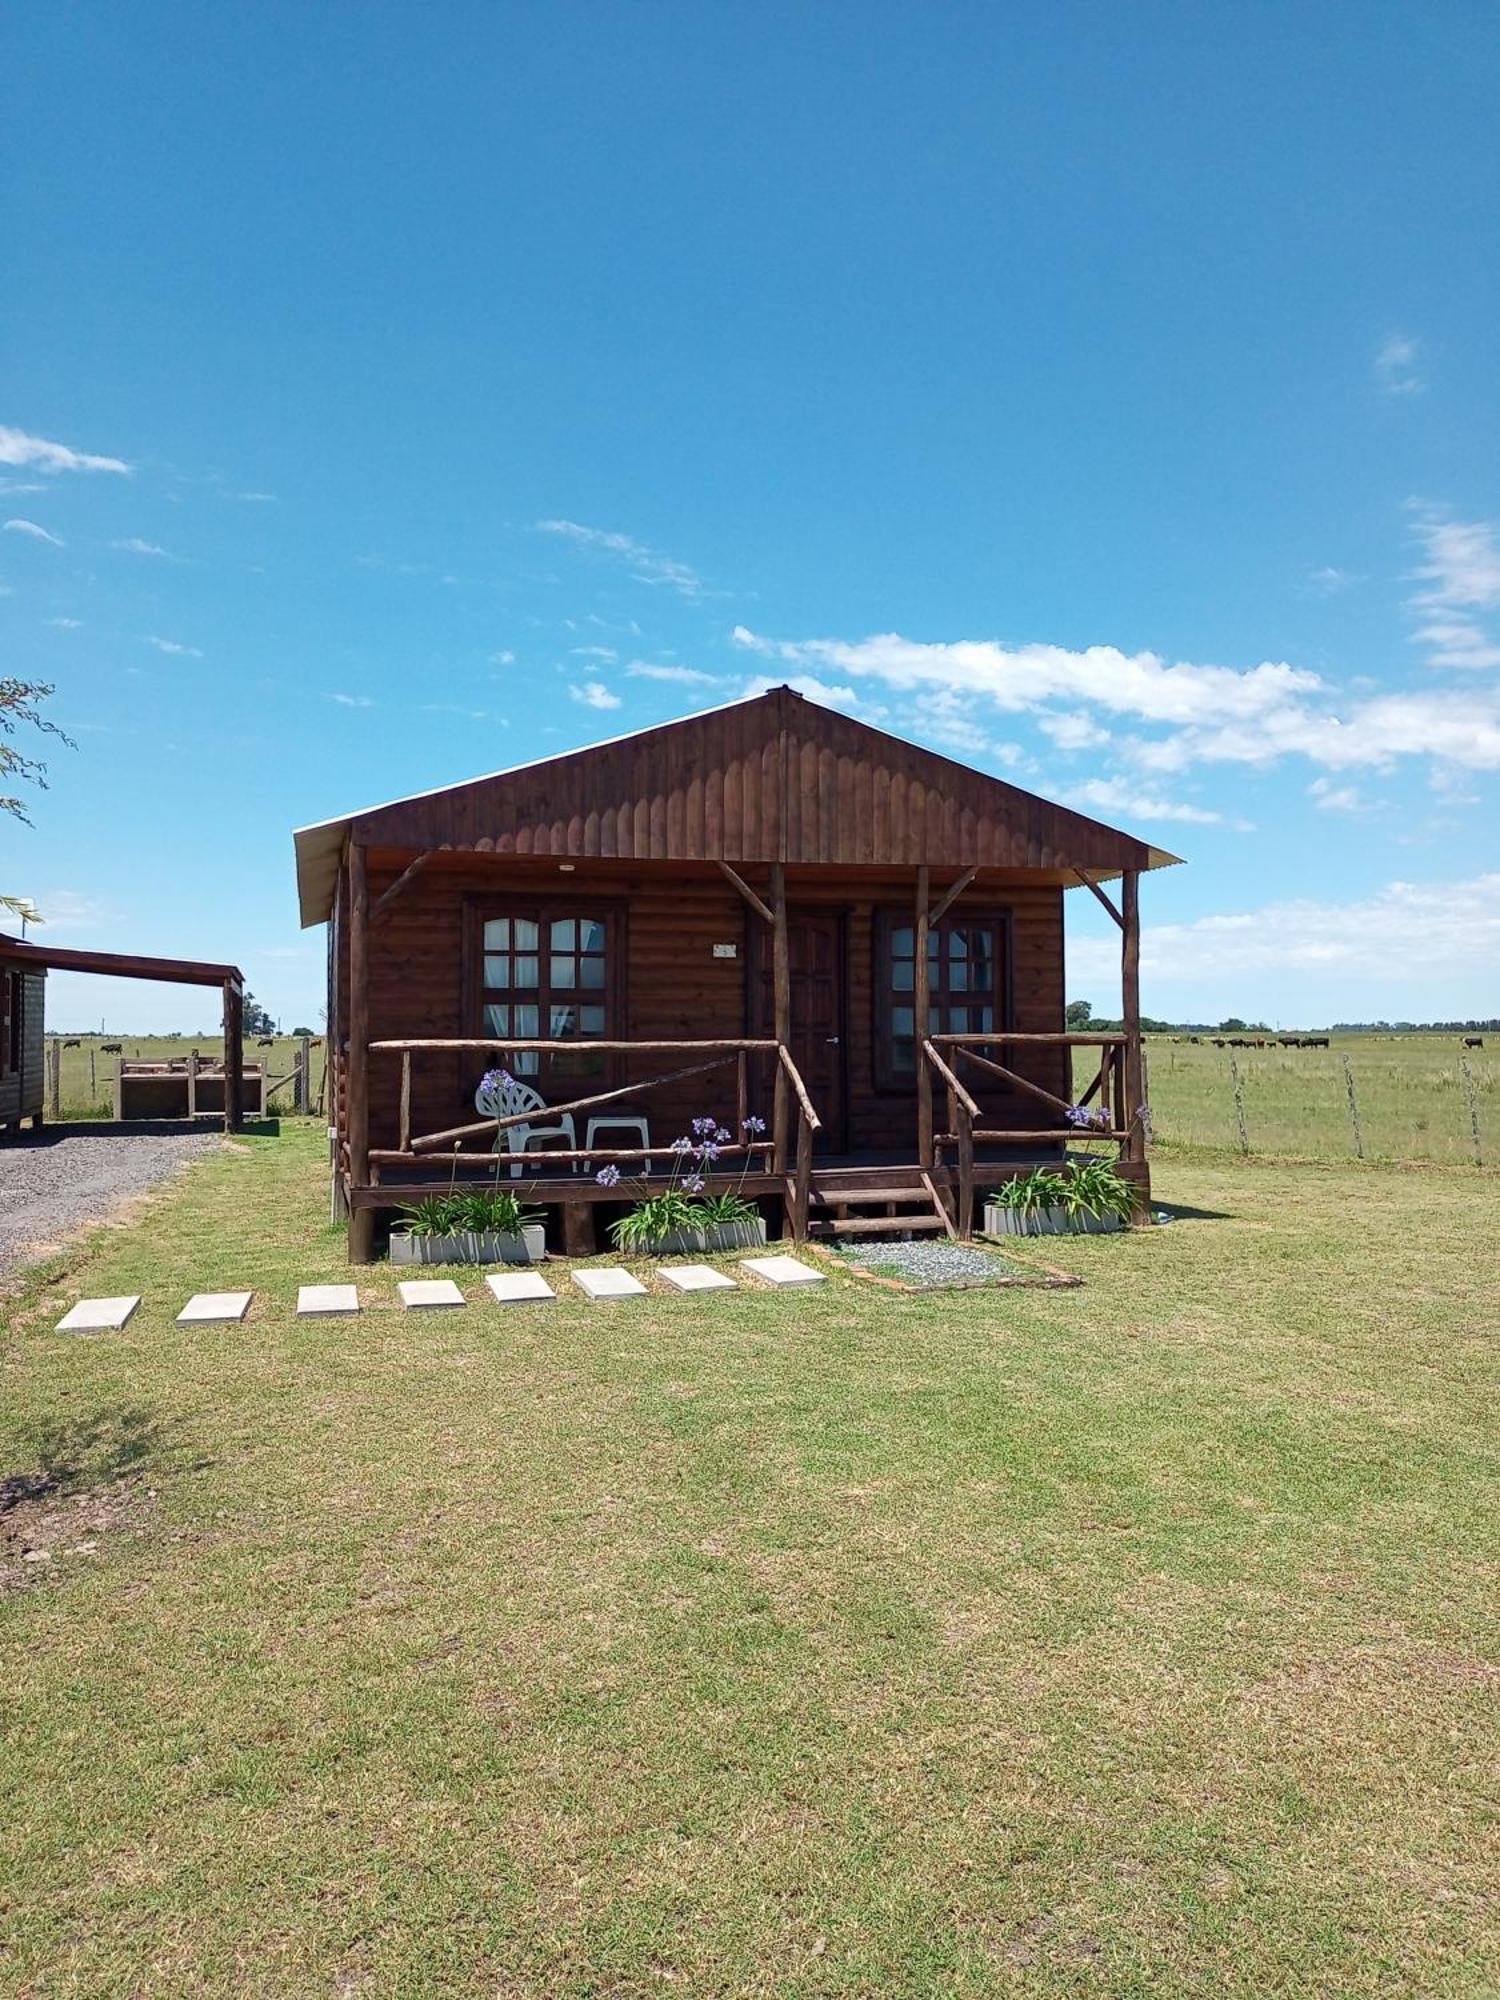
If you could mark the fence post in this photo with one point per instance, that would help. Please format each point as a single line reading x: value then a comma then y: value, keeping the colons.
x: 1147, y: 1134
x: 1359, y: 1137
x: 54, y: 1078
x: 1473, y: 1097
x: 1239, y: 1104
x: 302, y: 1088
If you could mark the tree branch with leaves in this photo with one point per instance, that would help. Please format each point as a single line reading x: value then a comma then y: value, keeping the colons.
x: 20, y: 705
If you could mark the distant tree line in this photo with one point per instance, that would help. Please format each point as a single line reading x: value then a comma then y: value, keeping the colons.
x: 1082, y: 1019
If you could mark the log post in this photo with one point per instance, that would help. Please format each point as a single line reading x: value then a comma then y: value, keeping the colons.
x: 302, y: 1089
x: 54, y: 1078
x: 803, y: 1189
x: 1134, y: 1149
x: 234, y: 1056
x: 404, y: 1141
x: 361, y: 1220
x: 965, y: 1173
x: 781, y: 990
x: 742, y: 1093
x: 922, y: 1008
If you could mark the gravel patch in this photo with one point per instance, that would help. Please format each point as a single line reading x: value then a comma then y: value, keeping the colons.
x: 931, y: 1263
x: 55, y: 1182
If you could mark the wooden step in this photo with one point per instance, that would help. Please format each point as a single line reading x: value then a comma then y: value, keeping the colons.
x: 878, y: 1225
x: 837, y: 1197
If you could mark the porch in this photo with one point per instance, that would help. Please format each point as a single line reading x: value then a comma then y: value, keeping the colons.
x: 934, y: 1186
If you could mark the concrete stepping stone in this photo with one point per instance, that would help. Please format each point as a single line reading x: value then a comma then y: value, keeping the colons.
x: 98, y: 1315
x: 782, y: 1270
x: 511, y: 1287
x: 205, y: 1306
x: 423, y: 1294
x: 696, y: 1278
x: 608, y: 1284
x: 326, y: 1301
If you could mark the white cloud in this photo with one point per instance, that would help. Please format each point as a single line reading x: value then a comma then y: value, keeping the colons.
x: 594, y: 694
x: 37, y: 534
x: 351, y: 700
x: 646, y: 565
x: 1330, y: 797
x: 1460, y: 577
x: 678, y: 676
x: 173, y: 647
x: 133, y: 545
x: 258, y: 499
x: 1329, y: 580
x: 17, y: 448
x: 1255, y: 715
x: 67, y: 624
x: 67, y: 911
x: 1073, y: 730
x: 1446, y: 930
x: 504, y: 658
x: 1115, y: 795
x: 827, y: 692
x: 1398, y: 366
x: 593, y: 653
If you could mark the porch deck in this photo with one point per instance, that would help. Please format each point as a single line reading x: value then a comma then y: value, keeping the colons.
x: 934, y: 1185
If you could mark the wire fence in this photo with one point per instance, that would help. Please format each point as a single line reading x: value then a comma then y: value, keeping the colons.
x: 1407, y: 1097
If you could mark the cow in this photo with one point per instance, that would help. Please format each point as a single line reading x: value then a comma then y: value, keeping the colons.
x: 1473, y: 1041
x: 72, y: 1043
x: 109, y: 1048
x: 266, y: 1042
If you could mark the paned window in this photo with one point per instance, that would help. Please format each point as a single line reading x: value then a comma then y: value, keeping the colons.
x: 547, y: 977
x: 965, y: 974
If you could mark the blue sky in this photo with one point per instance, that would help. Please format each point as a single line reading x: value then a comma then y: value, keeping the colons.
x: 1106, y: 396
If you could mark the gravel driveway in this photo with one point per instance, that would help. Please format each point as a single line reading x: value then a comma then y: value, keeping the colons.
x: 52, y: 1182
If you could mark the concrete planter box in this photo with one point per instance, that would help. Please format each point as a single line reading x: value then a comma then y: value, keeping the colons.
x: 529, y: 1246
x: 749, y: 1235
x: 1046, y: 1222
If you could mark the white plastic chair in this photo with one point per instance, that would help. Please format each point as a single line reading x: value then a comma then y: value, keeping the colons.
x: 503, y: 1100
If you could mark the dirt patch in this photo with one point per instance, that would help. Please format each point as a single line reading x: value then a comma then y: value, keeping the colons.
x: 44, y: 1529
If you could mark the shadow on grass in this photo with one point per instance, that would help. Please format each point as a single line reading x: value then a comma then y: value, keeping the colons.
x: 1175, y: 1212
x: 82, y: 1454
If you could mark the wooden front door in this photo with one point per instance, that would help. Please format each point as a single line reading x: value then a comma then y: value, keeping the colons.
x: 815, y: 942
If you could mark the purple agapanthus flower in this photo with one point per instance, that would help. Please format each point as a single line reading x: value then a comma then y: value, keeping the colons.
x: 694, y: 1184
x: 681, y: 1145
x: 754, y: 1126
x: 497, y: 1079
x: 1087, y: 1120
x: 702, y: 1127
x: 607, y: 1176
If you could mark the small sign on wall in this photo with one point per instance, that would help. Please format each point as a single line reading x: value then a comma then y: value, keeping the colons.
x: 726, y: 951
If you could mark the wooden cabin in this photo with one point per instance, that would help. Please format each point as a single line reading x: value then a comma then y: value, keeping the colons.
x: 745, y: 914
x: 23, y: 1006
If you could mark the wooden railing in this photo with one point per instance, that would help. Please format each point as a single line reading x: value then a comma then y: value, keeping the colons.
x: 445, y: 1147
x: 964, y: 1128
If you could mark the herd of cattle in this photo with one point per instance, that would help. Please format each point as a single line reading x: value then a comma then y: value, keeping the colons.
x: 1287, y: 1041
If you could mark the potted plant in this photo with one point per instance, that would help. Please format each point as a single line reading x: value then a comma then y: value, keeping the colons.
x: 1085, y: 1200
x: 681, y: 1216
x: 470, y: 1226
x: 1097, y: 1198
x: 1033, y: 1204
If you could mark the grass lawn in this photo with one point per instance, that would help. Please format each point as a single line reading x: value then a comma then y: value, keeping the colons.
x: 1134, y: 1639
